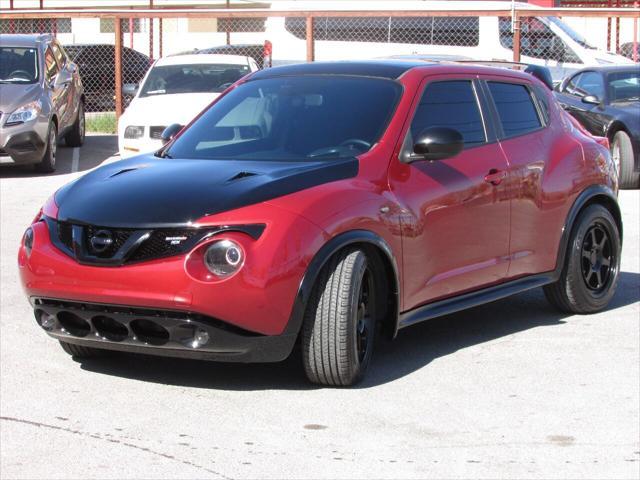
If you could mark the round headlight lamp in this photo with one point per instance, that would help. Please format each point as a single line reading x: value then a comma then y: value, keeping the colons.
x: 27, y: 241
x: 223, y: 258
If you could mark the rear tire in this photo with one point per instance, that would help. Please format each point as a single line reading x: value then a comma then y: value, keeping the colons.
x: 340, y: 321
x: 48, y: 163
x: 75, y: 137
x: 79, y: 351
x: 592, y: 262
x: 622, y: 153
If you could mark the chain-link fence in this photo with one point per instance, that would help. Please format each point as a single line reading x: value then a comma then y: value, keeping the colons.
x: 93, y: 41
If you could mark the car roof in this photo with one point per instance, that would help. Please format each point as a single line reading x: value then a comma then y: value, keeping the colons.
x: 368, y: 68
x: 609, y: 68
x: 23, y: 40
x: 391, y: 69
x: 201, y: 58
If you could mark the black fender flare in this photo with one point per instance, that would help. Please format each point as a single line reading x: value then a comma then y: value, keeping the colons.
x: 320, y: 259
x: 587, y: 196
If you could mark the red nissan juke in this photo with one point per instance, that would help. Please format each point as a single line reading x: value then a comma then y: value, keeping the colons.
x: 323, y: 204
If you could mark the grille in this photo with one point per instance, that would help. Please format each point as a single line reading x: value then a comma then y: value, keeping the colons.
x: 119, y: 237
x: 3, y: 153
x: 160, y: 243
x: 157, y: 245
x: 156, y: 132
x: 65, y: 234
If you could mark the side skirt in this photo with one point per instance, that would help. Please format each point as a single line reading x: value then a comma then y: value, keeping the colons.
x: 473, y: 299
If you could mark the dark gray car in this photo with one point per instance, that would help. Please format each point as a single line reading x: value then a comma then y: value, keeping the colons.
x: 606, y: 101
x: 41, y: 101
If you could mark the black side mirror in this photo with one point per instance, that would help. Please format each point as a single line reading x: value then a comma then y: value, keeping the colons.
x: 170, y: 132
x: 437, y: 143
x: 591, y: 100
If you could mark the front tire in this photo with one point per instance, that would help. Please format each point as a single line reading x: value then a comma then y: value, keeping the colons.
x: 75, y: 137
x: 622, y: 154
x: 79, y: 351
x: 340, y: 321
x: 48, y: 163
x: 592, y: 262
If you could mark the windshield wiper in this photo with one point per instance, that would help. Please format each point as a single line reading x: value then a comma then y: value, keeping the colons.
x: 11, y: 80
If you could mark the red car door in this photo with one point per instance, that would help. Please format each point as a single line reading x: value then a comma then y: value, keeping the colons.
x: 538, y: 178
x: 455, y: 212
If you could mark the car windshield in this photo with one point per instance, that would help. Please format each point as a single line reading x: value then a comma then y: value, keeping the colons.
x: 18, y: 65
x: 292, y: 119
x: 575, y: 36
x: 624, y: 86
x: 196, y: 78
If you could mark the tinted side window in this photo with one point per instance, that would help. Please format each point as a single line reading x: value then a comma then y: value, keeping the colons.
x: 591, y: 84
x: 515, y: 107
x: 572, y: 85
x: 50, y: 65
x: 450, y: 104
x: 543, y: 101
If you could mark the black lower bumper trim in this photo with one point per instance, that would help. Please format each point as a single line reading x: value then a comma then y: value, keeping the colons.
x: 156, y: 332
x: 26, y: 147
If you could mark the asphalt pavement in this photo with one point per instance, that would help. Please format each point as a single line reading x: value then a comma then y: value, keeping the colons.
x: 512, y: 389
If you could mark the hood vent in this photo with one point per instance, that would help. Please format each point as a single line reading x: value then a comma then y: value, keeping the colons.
x: 240, y: 175
x: 124, y: 170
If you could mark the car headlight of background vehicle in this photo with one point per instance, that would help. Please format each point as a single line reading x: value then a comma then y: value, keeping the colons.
x: 25, y: 113
x: 223, y: 258
x: 133, y: 131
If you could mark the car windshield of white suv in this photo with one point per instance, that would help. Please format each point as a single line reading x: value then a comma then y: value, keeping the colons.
x: 18, y: 65
x: 197, y: 78
x: 302, y: 118
x: 575, y: 36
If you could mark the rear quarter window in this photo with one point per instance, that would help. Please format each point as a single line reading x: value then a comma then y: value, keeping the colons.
x: 516, y: 109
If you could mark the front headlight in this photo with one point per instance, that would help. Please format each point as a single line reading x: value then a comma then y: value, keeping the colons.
x: 133, y: 131
x: 223, y: 258
x: 27, y: 112
x: 27, y: 241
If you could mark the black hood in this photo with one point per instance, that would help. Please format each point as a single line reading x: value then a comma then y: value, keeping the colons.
x: 151, y: 192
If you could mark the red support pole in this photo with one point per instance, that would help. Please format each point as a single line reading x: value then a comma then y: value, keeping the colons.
x: 160, y: 37
x: 228, y: 22
x: 118, y: 66
x: 12, y: 27
x: 618, y: 29
x: 609, y: 30
x: 311, y: 55
x: 41, y: 21
x: 131, y: 33
x: 516, y: 39
x: 634, y: 55
x: 151, y: 32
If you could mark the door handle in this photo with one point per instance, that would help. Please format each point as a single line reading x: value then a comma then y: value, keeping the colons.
x: 495, y: 176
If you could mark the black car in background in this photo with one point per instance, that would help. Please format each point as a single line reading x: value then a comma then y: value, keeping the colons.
x: 97, y: 70
x: 606, y: 101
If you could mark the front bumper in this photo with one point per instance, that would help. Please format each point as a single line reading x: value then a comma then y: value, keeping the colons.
x: 129, y: 147
x: 21, y: 147
x: 156, y: 332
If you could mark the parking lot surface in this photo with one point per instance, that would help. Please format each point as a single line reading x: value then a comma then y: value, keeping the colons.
x: 512, y: 389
